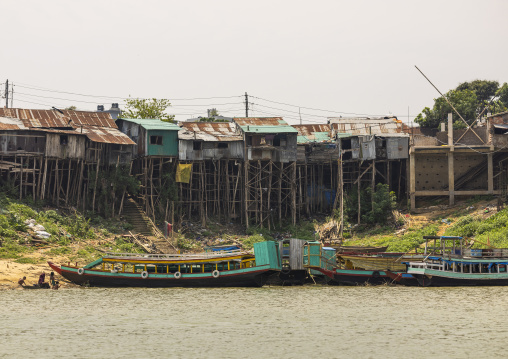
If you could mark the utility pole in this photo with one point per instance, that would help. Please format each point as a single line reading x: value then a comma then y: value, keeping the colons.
x: 300, y: 115
x: 7, y: 94
x: 12, y: 95
x: 246, y: 105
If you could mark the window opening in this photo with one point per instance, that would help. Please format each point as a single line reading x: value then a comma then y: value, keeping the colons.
x: 156, y: 140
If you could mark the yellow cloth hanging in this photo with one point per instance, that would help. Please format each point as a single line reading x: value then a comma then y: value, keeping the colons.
x: 183, y: 173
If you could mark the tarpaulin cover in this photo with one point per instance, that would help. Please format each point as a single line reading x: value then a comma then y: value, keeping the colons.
x: 183, y: 173
x: 230, y: 248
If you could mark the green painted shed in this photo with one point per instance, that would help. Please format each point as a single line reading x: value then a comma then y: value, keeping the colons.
x: 153, y: 137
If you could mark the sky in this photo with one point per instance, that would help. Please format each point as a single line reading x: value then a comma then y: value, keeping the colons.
x: 295, y: 59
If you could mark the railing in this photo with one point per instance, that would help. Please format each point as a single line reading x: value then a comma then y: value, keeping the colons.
x: 426, y: 265
x: 177, y: 255
x: 486, y: 253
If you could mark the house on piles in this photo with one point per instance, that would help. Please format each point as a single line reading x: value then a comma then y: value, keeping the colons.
x: 374, y: 151
x: 214, y: 152
x: 155, y: 155
x: 318, y: 155
x: 269, y: 170
x: 56, y: 149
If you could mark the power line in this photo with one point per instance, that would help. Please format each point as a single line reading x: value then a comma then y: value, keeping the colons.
x: 317, y: 109
x: 38, y: 88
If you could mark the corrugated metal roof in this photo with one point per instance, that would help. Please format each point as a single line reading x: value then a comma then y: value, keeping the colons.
x: 95, y: 134
x: 153, y: 124
x: 264, y: 125
x: 260, y: 121
x: 366, y: 126
x: 52, y: 118
x: 11, y: 124
x: 210, y: 131
x: 313, y: 133
x: 106, y: 135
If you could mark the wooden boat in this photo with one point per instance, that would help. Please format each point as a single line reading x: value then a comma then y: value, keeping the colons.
x: 360, y: 249
x: 213, y: 269
x: 363, y: 277
x: 390, y: 261
x: 461, y: 271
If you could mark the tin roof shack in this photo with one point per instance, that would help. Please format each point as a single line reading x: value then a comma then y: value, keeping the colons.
x: 16, y: 138
x: 75, y: 144
x: 103, y: 140
x: 316, y: 144
x: 21, y: 149
x: 375, y: 152
x: 215, y: 152
x: 210, y: 141
x: 371, y: 138
x: 461, y: 162
x: 317, y: 168
x: 268, y: 139
x: 155, y: 159
x: 269, y: 169
x: 152, y: 137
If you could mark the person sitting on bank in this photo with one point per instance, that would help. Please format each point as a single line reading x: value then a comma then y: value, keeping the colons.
x: 56, y: 285
x: 21, y: 282
x: 42, y: 283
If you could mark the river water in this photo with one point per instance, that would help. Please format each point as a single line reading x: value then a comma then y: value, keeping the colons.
x: 268, y: 322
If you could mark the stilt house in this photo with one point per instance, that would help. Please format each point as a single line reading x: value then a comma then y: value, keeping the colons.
x: 269, y: 170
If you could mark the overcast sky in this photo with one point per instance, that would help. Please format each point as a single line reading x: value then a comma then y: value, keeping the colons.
x: 330, y: 58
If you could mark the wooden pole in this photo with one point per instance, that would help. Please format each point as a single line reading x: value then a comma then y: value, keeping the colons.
x: 95, y: 186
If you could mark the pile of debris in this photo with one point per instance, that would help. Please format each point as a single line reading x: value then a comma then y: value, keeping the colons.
x: 329, y: 232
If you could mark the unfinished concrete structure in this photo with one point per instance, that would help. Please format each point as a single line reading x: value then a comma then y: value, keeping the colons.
x: 466, y: 162
x: 269, y: 170
x: 57, y: 155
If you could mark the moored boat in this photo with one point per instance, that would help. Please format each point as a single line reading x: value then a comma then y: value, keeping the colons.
x: 365, y: 277
x: 380, y: 261
x: 214, y: 269
x: 463, y: 271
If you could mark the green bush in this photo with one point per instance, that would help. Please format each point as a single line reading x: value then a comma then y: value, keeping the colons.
x: 376, y: 208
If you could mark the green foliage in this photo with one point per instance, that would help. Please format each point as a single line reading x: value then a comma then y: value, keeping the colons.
x: 111, y: 185
x: 411, y: 239
x: 470, y: 99
x: 483, y: 89
x: 148, y: 109
x: 248, y: 243
x: 376, y: 208
x: 304, y: 230
x: 465, y: 101
x: 59, y: 251
x: 28, y: 260
x: 258, y: 231
x: 493, y: 229
x: 503, y: 96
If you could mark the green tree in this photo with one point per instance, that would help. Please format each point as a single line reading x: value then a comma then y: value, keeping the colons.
x: 148, y: 108
x: 483, y: 89
x: 465, y: 101
x: 503, y: 95
x: 72, y: 108
x: 469, y: 98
